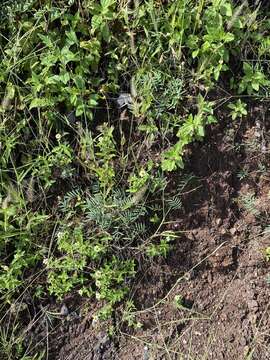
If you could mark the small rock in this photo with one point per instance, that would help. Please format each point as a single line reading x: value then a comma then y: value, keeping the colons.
x: 258, y: 124
x: 245, y: 323
x: 263, y: 148
x: 257, y: 134
x: 95, y: 321
x: 243, y: 341
x: 124, y: 99
x: 218, y: 222
x: 253, y: 319
x: 233, y: 230
x: 64, y: 310
x: 204, y: 276
x: 223, y: 316
x: 145, y: 353
x: 253, y: 305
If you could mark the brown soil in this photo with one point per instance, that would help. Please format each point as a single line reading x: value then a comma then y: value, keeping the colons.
x: 217, y: 266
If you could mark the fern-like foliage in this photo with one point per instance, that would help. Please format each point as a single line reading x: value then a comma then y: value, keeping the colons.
x: 174, y: 203
x: 96, y: 211
x: 184, y: 181
x: 248, y: 201
x: 116, y: 215
x: 70, y: 200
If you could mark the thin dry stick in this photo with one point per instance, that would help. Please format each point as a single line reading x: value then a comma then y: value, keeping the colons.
x: 162, y: 336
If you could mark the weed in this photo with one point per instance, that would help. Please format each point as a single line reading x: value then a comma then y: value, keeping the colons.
x: 248, y: 202
x: 238, y: 109
x: 253, y: 80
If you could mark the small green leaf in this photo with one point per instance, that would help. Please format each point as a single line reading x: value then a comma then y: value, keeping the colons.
x: 195, y: 53
x: 226, y: 9
x: 248, y: 70
x: 107, y: 3
x: 228, y: 37
x: 255, y: 86
x: 39, y: 103
x: 71, y: 37
x: 64, y: 78
x: 200, y: 131
x: 92, y: 102
x: 96, y: 22
x: 168, y: 165
x: 80, y: 109
x: 79, y: 82
x: 10, y: 91
x: 67, y: 55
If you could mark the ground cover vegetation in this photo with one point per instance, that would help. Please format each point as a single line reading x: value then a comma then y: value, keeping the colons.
x: 100, y: 102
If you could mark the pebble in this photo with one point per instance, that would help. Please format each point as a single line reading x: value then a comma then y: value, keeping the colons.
x: 257, y: 134
x: 64, y: 310
x: 253, y: 319
x: 243, y: 341
x: 145, y: 353
x: 124, y: 99
x: 263, y: 148
x: 253, y: 305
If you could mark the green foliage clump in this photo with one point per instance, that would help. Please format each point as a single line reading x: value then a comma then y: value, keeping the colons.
x: 63, y: 66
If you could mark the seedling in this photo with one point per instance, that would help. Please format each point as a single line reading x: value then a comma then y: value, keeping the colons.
x: 238, y: 109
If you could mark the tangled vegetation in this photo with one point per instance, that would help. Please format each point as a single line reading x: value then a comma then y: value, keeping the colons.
x: 99, y: 103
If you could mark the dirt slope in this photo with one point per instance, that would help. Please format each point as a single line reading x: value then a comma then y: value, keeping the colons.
x: 217, y: 272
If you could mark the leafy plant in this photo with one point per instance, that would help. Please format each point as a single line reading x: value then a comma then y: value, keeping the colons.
x: 238, y: 109
x: 192, y: 129
x: 253, y: 80
x: 248, y: 202
x: 160, y: 249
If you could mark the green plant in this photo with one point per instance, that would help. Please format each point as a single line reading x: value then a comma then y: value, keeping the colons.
x: 129, y: 317
x: 248, y: 201
x: 238, y: 109
x: 178, y: 301
x: 160, y: 249
x: 253, y: 80
x: 193, y: 128
x: 18, y: 228
x: 267, y: 253
x: 242, y: 174
x: 110, y: 279
x: 103, y: 157
x: 105, y: 222
x: 11, y: 345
